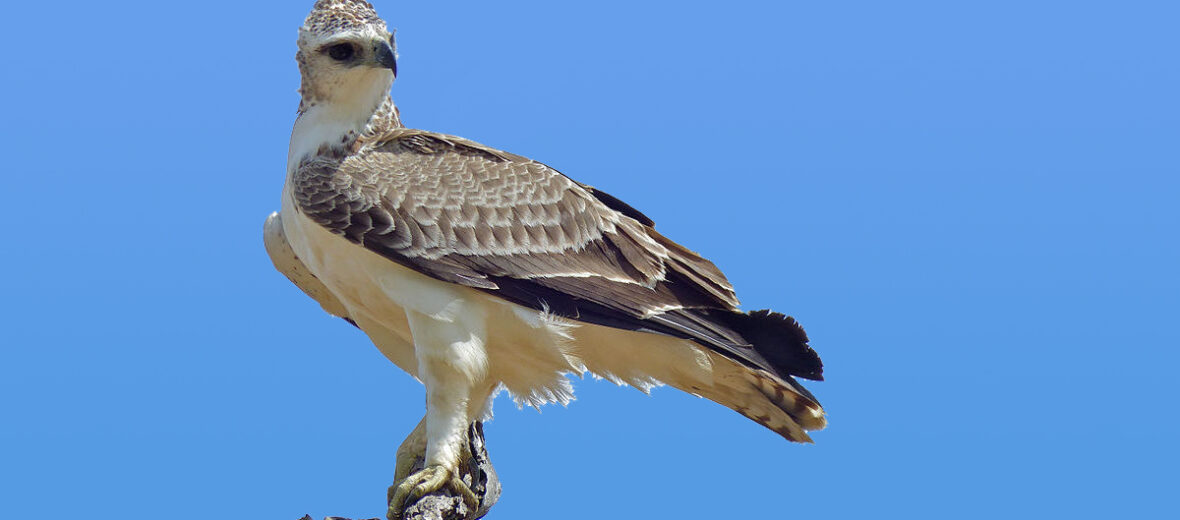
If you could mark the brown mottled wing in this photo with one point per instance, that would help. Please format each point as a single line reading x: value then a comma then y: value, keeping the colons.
x: 464, y: 213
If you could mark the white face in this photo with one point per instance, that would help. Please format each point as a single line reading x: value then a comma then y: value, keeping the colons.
x: 341, y: 66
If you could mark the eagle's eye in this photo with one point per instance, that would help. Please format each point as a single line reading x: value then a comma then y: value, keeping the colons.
x: 341, y: 51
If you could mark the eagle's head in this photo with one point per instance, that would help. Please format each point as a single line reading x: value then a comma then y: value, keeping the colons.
x: 346, y: 55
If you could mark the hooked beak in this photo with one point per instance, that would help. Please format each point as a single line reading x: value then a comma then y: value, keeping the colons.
x: 383, y: 55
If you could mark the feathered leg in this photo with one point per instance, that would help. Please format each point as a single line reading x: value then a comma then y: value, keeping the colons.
x: 452, y: 362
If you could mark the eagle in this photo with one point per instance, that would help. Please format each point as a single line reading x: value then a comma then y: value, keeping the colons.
x: 477, y: 270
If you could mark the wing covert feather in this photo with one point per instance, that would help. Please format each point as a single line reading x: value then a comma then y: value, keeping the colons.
x: 463, y: 212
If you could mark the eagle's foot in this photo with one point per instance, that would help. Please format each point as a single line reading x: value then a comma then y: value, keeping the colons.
x: 425, y: 482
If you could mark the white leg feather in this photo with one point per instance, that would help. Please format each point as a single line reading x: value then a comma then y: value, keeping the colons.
x: 452, y: 363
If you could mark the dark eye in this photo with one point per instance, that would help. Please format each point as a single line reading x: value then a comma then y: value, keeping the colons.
x: 341, y: 51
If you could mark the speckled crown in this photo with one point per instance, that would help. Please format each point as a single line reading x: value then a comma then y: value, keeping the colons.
x: 332, y: 16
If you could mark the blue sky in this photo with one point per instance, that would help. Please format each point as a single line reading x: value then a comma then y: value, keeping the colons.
x: 971, y: 207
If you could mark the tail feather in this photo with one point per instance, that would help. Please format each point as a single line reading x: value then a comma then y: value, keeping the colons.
x: 759, y: 372
x: 783, y: 394
x: 763, y: 398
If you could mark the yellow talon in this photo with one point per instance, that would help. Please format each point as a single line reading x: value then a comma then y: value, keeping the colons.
x: 425, y: 482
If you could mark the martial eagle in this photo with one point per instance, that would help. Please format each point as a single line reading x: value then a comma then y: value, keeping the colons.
x: 476, y: 270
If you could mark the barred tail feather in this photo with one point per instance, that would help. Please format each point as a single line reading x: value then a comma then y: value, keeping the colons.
x: 800, y: 406
x: 754, y: 373
x: 763, y: 398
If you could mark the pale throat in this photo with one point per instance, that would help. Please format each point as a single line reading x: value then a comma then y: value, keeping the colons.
x: 339, y: 117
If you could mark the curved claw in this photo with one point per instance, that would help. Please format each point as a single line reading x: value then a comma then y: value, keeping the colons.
x: 425, y: 482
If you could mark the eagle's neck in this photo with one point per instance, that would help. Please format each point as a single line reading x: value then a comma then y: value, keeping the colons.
x: 333, y: 124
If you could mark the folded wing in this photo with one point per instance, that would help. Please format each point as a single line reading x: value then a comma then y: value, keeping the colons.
x: 468, y: 214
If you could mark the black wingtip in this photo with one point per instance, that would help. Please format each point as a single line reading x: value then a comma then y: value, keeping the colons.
x: 783, y: 342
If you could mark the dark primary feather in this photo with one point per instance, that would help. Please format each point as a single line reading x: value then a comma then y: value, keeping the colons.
x: 464, y: 213
x: 618, y: 205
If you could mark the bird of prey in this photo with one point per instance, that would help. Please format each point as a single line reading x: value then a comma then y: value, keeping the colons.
x: 476, y: 270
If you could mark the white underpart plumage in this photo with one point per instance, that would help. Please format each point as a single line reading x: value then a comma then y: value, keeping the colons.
x: 464, y: 344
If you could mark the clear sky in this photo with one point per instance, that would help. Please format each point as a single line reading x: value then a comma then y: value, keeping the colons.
x: 971, y: 206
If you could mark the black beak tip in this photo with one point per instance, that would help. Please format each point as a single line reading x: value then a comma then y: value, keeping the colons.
x: 385, y: 57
